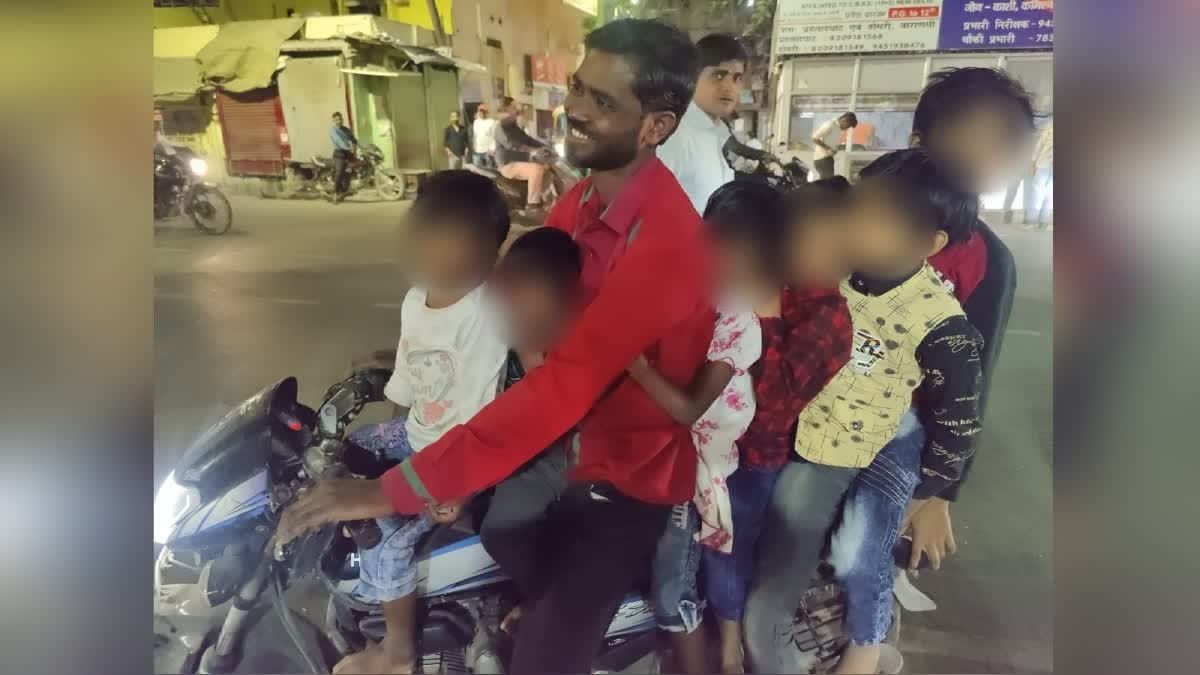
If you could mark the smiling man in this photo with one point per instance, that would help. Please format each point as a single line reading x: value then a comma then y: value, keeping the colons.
x: 647, y: 291
x: 694, y: 153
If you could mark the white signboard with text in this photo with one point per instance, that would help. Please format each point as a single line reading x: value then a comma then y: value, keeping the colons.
x: 840, y: 26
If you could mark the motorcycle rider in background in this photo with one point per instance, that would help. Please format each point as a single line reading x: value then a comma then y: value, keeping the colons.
x: 513, y: 151
x: 344, y: 145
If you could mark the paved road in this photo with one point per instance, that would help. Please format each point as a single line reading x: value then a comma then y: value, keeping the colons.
x: 298, y: 288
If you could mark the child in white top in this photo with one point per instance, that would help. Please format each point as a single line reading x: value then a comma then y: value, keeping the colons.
x: 448, y: 366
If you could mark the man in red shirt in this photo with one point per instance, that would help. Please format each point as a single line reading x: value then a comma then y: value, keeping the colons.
x: 645, y: 274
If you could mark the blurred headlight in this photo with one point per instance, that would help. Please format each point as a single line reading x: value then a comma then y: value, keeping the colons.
x: 172, y: 501
x: 198, y: 166
x: 560, y: 148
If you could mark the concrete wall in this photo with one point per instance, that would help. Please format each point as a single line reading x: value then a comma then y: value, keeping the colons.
x: 182, y: 42
x: 239, y: 10
x: 522, y: 27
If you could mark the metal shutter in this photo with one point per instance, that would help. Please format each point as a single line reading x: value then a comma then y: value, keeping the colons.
x: 256, y: 142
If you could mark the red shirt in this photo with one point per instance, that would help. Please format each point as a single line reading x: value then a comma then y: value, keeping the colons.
x: 649, y: 293
x: 802, y: 350
x: 962, y: 266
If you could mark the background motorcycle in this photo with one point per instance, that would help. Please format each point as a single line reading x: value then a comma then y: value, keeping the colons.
x: 179, y: 189
x: 770, y: 169
x: 218, y: 570
x: 560, y: 177
x: 366, y: 171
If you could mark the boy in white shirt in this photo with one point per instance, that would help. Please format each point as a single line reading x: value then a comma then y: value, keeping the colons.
x: 448, y: 366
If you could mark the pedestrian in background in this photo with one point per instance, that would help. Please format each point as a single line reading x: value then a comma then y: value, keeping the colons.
x: 455, y: 141
x: 825, y: 142
x: 483, y: 141
x: 344, y: 144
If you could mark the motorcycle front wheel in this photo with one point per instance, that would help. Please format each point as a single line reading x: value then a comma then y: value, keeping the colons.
x: 210, y: 210
x: 390, y: 184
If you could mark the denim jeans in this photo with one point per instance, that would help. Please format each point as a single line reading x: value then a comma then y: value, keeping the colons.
x: 387, y: 571
x: 727, y: 575
x: 484, y: 159
x: 677, y: 604
x: 861, y: 548
x: 803, y: 507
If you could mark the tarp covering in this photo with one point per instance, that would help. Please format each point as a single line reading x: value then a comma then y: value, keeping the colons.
x: 176, y: 80
x: 245, y: 54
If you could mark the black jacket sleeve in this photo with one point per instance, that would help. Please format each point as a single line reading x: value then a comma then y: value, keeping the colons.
x: 948, y: 402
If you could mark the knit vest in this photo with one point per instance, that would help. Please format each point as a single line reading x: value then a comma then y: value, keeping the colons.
x: 859, y: 411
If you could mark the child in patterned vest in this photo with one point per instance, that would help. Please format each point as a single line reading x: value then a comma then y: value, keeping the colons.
x: 910, y: 338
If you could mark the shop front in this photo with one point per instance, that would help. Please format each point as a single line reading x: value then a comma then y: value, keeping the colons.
x: 849, y: 60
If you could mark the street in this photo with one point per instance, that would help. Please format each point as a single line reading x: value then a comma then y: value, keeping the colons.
x: 300, y: 287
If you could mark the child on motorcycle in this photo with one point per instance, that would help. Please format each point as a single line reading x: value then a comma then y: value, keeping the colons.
x: 911, y: 336
x: 773, y: 347
x: 536, y: 283
x: 449, y: 364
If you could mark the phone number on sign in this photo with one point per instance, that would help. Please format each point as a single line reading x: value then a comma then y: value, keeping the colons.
x: 874, y: 46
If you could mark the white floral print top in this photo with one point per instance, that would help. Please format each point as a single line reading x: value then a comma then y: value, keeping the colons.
x: 737, y: 340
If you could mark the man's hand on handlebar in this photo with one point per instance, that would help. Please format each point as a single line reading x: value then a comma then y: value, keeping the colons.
x: 446, y: 512
x: 333, y: 500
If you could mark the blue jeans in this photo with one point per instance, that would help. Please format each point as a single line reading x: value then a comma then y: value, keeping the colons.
x: 727, y: 575
x: 484, y: 159
x: 677, y: 604
x: 387, y: 571
x: 861, y: 547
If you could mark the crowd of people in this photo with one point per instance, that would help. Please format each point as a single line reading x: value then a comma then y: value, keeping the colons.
x: 717, y: 402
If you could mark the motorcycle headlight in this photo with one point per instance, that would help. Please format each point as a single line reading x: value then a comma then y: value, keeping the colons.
x: 560, y: 148
x: 198, y: 166
x: 172, y: 501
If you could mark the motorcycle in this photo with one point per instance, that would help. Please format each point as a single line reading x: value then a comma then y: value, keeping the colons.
x: 179, y: 189
x: 366, y: 171
x: 560, y: 177
x: 769, y: 168
x: 218, y: 568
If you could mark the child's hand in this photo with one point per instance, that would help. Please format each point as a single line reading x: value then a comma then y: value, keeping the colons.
x: 931, y: 531
x: 447, y: 512
x: 639, y: 365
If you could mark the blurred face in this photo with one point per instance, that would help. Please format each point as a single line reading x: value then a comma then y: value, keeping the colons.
x: 740, y: 275
x: 816, y: 250
x: 480, y: 114
x: 337, y: 119
x: 843, y: 123
x: 879, y: 241
x: 606, y: 126
x: 720, y: 87
x: 454, y: 118
x: 983, y: 145
x: 448, y: 257
x: 537, y: 312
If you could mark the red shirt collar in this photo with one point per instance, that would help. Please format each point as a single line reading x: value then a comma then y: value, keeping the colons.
x: 622, y: 213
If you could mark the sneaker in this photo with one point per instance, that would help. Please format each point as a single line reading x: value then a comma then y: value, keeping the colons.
x: 891, y: 661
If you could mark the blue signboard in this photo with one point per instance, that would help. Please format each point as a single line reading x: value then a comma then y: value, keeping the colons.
x: 992, y: 24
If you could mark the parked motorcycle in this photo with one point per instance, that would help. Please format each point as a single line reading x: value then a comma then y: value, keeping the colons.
x: 218, y: 567
x: 179, y: 189
x: 770, y: 169
x: 366, y: 172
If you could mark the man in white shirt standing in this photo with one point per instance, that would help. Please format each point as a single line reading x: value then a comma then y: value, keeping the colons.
x: 483, y: 138
x: 693, y: 152
x: 825, y: 141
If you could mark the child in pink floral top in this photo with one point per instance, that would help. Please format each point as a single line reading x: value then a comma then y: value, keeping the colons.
x: 746, y: 221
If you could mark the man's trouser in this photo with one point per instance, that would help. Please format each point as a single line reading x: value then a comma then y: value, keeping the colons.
x: 804, y: 505
x: 597, y: 544
x: 454, y: 161
x: 823, y: 167
x: 341, y: 173
x: 532, y: 172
